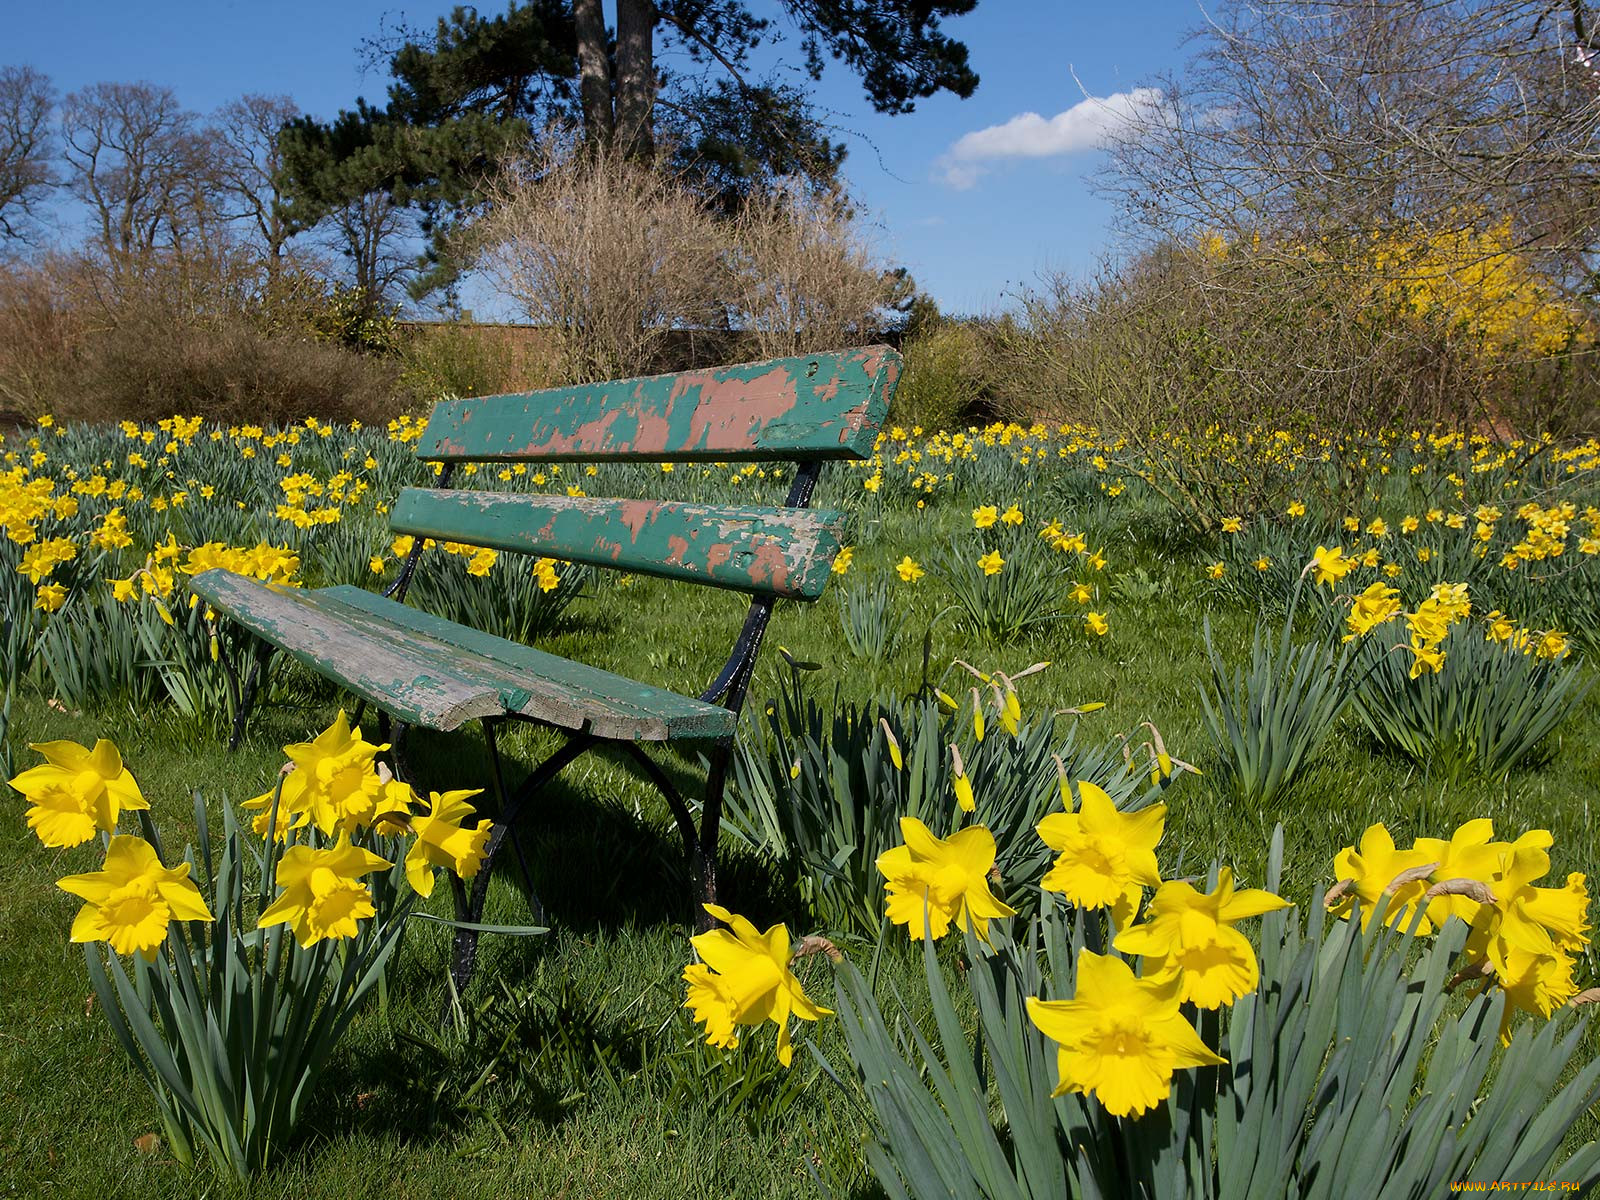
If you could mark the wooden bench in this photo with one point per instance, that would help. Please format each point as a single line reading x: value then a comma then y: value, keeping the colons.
x: 422, y: 670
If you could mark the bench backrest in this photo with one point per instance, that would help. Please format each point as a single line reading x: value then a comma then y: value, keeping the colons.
x: 812, y: 407
x: 805, y: 409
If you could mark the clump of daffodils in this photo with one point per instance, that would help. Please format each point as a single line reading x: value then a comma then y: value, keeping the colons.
x: 1429, y: 625
x: 1524, y: 938
x: 1120, y: 1037
x: 325, y: 818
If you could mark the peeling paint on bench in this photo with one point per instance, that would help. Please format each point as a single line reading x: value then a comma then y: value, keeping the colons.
x: 809, y: 407
x: 783, y: 551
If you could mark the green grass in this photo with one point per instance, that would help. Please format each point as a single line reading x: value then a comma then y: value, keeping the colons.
x: 401, y: 1114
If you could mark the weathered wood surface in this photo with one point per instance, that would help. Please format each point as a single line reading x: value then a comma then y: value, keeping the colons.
x: 431, y: 694
x: 547, y: 687
x: 778, y: 551
x: 432, y: 672
x: 810, y: 407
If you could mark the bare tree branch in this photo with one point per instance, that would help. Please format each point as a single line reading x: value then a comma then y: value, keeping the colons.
x: 26, y: 146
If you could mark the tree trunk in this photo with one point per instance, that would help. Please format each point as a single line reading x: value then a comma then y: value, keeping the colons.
x: 594, y: 72
x: 636, y: 77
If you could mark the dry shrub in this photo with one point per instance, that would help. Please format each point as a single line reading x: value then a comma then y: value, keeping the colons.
x: 201, y: 332
x: 40, y: 330
x: 1190, y: 355
x: 943, y: 382
x: 147, y: 367
x: 630, y: 271
x: 608, y: 254
x: 1179, y: 339
x: 454, y: 358
x: 803, y: 275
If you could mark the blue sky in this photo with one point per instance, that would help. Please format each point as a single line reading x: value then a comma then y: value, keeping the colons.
x: 971, y: 195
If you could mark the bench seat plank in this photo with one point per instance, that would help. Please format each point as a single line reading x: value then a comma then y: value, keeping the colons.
x: 812, y: 407
x: 779, y: 551
x: 435, y: 673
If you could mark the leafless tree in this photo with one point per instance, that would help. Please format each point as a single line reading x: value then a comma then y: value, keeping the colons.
x: 369, y: 233
x: 142, y: 165
x: 26, y: 100
x: 608, y: 253
x: 803, y: 275
x: 248, y: 167
x: 1315, y: 121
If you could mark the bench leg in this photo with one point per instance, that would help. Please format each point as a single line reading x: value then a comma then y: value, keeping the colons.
x: 705, y: 847
x: 465, y: 953
x: 395, y: 734
x: 490, y: 740
x: 247, y: 696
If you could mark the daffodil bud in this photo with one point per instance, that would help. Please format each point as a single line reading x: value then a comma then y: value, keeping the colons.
x: 959, y: 780
x: 894, y: 746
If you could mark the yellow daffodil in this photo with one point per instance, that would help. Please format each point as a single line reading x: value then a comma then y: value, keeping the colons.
x: 984, y: 516
x: 77, y: 791
x: 1425, y: 659
x: 743, y: 979
x: 1216, y: 570
x: 1470, y: 853
x: 992, y: 563
x: 1330, y: 566
x: 1540, y: 920
x: 1377, y: 605
x: 1190, y: 934
x: 1011, y: 516
x: 933, y: 881
x: 1538, y: 984
x: 445, y: 839
x: 1119, y: 1037
x: 1232, y: 524
x: 908, y: 570
x: 1105, y: 857
x: 323, y: 896
x: 1551, y: 645
x: 132, y: 899
x: 1372, y: 869
x: 959, y: 781
x: 1096, y: 623
x: 1453, y: 600
x: 841, y: 561
x: 1500, y: 627
x: 333, y: 786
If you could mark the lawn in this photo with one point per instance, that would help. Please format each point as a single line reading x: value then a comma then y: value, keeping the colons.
x: 576, y: 1070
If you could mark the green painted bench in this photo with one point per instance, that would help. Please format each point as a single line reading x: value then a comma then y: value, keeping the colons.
x: 422, y: 670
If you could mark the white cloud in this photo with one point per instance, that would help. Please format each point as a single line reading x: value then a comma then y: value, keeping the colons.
x: 1084, y: 126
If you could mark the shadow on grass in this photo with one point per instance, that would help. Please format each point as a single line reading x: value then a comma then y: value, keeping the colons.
x: 597, y: 861
x: 608, y: 866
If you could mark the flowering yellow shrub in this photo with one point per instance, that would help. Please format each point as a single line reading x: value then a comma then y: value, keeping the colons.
x: 1474, y: 282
